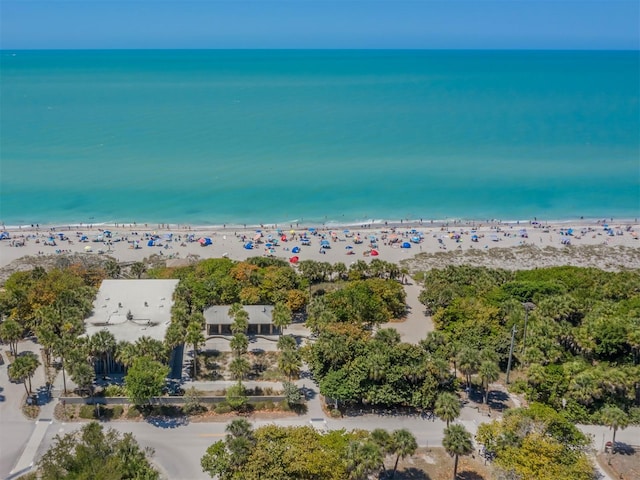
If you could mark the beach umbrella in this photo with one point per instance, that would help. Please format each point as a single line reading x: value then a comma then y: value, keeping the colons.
x: 292, y: 232
x: 88, y: 248
x: 406, y: 245
x: 474, y: 238
x: 256, y: 237
x: 374, y: 253
x: 283, y: 238
x: 294, y: 259
x: 248, y: 245
x: 150, y: 243
x: 415, y: 239
x: 312, y: 230
x: 325, y: 244
x: 295, y: 249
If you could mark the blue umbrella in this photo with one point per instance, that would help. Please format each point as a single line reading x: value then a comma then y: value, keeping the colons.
x: 295, y: 249
x: 406, y: 245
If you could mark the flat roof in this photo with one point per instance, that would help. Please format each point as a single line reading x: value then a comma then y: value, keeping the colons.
x: 149, y: 301
x: 219, y: 314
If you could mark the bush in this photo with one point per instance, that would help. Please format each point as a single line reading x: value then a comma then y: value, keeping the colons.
x: 87, y: 412
x: 117, y: 411
x: 114, y: 391
x: 133, y: 412
x: 259, y: 406
x: 223, y: 408
x: 335, y: 413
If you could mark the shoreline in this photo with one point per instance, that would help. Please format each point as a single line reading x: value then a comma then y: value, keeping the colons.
x: 384, y: 241
x: 330, y: 224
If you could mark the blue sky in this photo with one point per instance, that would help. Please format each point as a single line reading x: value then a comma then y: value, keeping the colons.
x: 424, y: 24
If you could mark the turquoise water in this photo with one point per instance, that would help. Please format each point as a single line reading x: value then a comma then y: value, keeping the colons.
x: 212, y: 137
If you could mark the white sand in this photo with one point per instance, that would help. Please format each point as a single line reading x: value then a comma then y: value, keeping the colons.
x: 228, y: 241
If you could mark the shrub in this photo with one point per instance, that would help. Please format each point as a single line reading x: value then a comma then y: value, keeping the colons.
x: 133, y: 412
x: 223, y: 408
x: 114, y: 391
x: 260, y: 405
x: 335, y: 413
x: 117, y: 411
x: 87, y: 412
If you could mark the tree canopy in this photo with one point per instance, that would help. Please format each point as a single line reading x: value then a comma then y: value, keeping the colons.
x: 93, y: 453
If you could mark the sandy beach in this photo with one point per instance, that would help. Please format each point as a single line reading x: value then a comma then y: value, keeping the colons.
x: 391, y: 242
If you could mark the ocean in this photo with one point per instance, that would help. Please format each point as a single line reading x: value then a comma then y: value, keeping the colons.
x: 209, y: 137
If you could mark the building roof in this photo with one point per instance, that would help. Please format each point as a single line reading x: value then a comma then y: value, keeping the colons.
x: 149, y: 302
x: 219, y: 314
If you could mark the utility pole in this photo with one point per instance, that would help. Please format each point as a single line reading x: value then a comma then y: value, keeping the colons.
x: 513, y: 337
x: 528, y: 306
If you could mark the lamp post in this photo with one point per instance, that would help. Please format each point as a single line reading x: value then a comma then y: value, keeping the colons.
x: 528, y: 306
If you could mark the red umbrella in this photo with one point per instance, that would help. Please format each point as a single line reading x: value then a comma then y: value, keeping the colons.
x: 374, y: 253
x: 294, y: 259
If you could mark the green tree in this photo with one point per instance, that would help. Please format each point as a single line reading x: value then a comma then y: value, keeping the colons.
x: 457, y: 441
x: 103, y: 346
x: 195, y: 337
x: 239, y: 368
x: 145, y: 379
x: 281, y: 316
x: 126, y: 353
x: 615, y: 419
x: 138, y: 269
x: 362, y: 459
x: 23, y: 368
x: 447, y: 407
x: 63, y: 347
x: 239, y: 344
x: 291, y: 393
x: 289, y: 363
x: 93, y: 453
x: 402, y: 444
x: 83, y: 375
x: 489, y: 372
x: 468, y: 363
x: 287, y: 342
x: 11, y: 333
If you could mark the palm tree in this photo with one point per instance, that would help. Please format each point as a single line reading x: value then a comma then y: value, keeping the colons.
x: 125, y: 353
x: 23, y: 368
x: 615, y: 419
x: 281, y: 316
x: 382, y: 438
x: 447, y: 407
x: 239, y: 344
x: 362, y: 458
x: 388, y: 336
x: 239, y: 427
x: 240, y: 441
x: 83, y: 376
x: 103, y: 344
x: 11, y: 332
x: 287, y: 342
x: 457, y: 441
x: 489, y: 372
x: 468, y: 363
x: 62, y: 348
x: 290, y: 363
x: 239, y: 367
x: 150, y: 347
x: 137, y: 269
x: 195, y: 337
x: 402, y: 444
